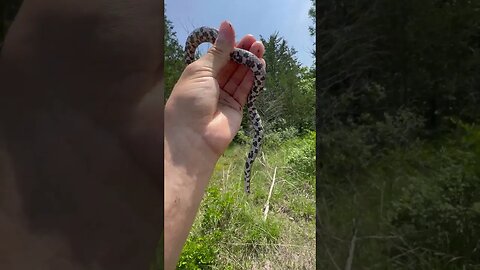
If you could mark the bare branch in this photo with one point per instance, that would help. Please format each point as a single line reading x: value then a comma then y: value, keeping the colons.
x: 351, y: 253
x: 267, y: 204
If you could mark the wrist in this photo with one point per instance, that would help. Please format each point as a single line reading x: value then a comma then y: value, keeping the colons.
x: 185, y: 145
x: 187, y: 171
x: 188, y: 154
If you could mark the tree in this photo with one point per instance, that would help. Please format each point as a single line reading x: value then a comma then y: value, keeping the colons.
x: 312, y: 14
x: 174, y: 58
x: 289, y: 87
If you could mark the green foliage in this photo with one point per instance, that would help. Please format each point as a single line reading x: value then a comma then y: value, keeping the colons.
x: 198, y: 253
x: 389, y: 73
x: 275, y: 137
x: 174, y: 58
x: 438, y: 213
x: 245, y: 227
x: 219, y: 222
x: 311, y: 29
x: 397, y: 130
x: 303, y: 155
x: 302, y: 208
x: 232, y: 222
x: 218, y: 210
x: 241, y: 138
x: 304, y: 118
x: 261, y: 234
x: 288, y: 100
x: 470, y: 136
x: 347, y: 151
x: 422, y: 198
x: 201, y: 250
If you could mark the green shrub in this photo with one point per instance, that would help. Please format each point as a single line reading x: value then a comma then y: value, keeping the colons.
x: 275, y: 137
x: 198, y: 253
x: 347, y: 150
x: 200, y: 250
x: 438, y: 213
x: 241, y: 138
x: 218, y: 209
x: 259, y: 235
x: 302, y: 156
x: 302, y: 208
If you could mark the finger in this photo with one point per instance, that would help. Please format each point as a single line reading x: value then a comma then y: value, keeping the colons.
x: 240, y: 73
x: 218, y: 55
x: 245, y: 86
x: 226, y: 73
x: 238, y: 76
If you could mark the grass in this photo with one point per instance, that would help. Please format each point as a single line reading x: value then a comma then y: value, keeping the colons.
x: 229, y: 231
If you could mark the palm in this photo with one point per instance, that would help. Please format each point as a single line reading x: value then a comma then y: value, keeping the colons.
x: 225, y: 121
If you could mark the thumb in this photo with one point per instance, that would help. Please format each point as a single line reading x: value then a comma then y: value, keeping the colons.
x: 219, y: 54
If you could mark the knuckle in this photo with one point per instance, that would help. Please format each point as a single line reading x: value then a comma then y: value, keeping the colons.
x: 192, y: 68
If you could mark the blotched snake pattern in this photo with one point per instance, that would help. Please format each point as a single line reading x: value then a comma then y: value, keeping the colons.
x: 244, y: 57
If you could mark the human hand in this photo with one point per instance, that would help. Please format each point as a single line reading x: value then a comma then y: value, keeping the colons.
x: 204, y: 111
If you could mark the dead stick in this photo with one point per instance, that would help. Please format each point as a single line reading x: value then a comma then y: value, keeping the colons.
x: 267, y: 204
x: 351, y: 253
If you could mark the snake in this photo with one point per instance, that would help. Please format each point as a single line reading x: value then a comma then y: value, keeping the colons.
x: 207, y: 34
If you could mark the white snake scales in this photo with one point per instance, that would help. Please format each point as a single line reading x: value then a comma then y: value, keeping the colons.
x: 240, y: 56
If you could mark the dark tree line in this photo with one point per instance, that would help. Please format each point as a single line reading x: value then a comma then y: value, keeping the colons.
x: 396, y: 81
x: 421, y: 55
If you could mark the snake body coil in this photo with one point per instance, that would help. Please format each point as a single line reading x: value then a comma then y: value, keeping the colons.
x: 240, y: 56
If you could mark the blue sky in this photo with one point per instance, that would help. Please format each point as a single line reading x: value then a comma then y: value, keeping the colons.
x: 257, y: 17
